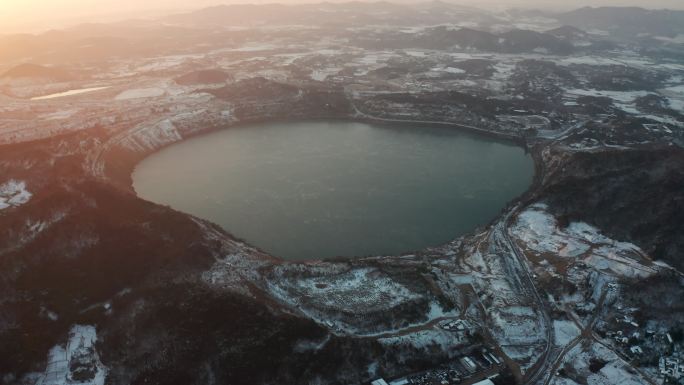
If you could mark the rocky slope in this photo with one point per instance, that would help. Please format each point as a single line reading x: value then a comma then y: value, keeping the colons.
x: 635, y: 195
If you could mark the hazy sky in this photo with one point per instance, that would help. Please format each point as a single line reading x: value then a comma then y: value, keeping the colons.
x: 33, y: 15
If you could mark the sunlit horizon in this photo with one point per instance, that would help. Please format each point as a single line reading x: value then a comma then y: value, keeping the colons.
x: 35, y: 16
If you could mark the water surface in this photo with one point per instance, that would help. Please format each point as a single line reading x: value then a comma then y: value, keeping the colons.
x: 322, y: 189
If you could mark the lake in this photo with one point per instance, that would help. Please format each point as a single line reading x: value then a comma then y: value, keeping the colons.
x: 321, y: 189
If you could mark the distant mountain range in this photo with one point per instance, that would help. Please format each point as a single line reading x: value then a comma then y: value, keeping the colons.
x: 621, y: 21
x: 384, y: 25
x: 447, y: 38
x: 357, y: 13
x: 626, y: 22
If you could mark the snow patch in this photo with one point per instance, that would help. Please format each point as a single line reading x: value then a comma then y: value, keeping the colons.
x: 13, y: 194
x: 323, y: 73
x: 58, y: 115
x: 622, y: 97
x: 140, y: 93
x: 425, y: 339
x: 564, y: 332
x: 152, y: 137
x: 76, y: 364
x: 616, y: 370
x: 539, y: 231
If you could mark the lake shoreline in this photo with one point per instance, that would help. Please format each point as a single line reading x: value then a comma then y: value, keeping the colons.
x: 384, y: 140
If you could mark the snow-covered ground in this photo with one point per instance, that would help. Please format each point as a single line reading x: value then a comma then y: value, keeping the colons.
x: 139, y: 93
x: 512, y: 316
x: 621, y: 97
x: 13, y: 193
x: 564, y: 332
x: 59, y: 114
x: 539, y: 232
x: 676, y: 90
x: 343, y: 290
x: 348, y: 291
x: 588, y: 60
x: 625, y: 100
x: 77, y: 363
x: 165, y: 62
x: 152, y: 136
x: 614, y: 371
x: 516, y: 325
x: 323, y: 73
x: 525, y: 355
x: 349, y: 300
x: 451, y: 70
x: 426, y: 339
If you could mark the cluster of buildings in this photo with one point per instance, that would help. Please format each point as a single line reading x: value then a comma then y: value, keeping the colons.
x: 483, y: 365
x: 648, y: 347
x: 460, y: 326
x: 628, y: 332
x: 671, y: 369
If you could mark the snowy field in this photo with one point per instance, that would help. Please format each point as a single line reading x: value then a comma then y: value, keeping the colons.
x: 323, y: 73
x: 615, y: 370
x: 139, y: 93
x: 350, y: 291
x: 625, y: 100
x: 540, y: 233
x: 516, y: 325
x: 564, y: 332
x: 152, y: 136
x: 358, y: 301
x: 426, y: 339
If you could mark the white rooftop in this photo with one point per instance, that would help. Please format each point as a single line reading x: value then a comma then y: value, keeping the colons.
x: 484, y: 382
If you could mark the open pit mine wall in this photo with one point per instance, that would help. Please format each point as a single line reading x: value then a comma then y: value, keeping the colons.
x: 123, y: 151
